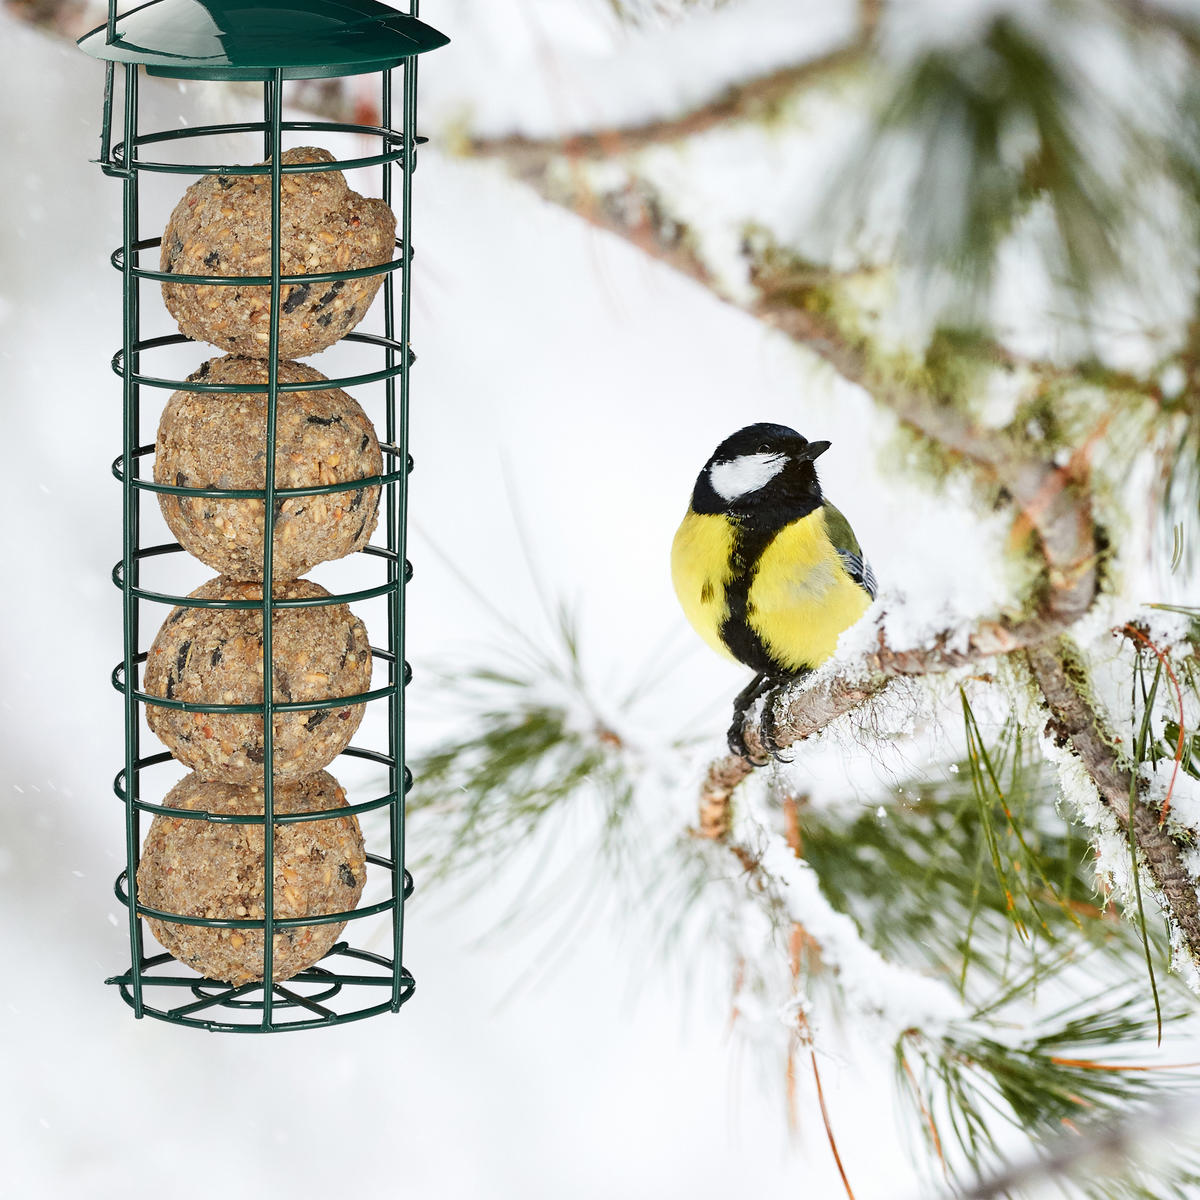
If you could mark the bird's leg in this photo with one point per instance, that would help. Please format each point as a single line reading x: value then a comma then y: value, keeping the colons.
x: 741, y: 702
x: 768, y: 728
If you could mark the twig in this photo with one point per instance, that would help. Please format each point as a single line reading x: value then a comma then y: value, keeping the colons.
x: 1111, y: 1144
x: 1061, y: 680
x: 745, y: 100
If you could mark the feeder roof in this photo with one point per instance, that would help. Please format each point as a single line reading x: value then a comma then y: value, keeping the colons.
x: 251, y: 39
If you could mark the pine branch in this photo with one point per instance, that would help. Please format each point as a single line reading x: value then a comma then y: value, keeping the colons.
x: 902, y: 881
x: 532, y: 746
x: 747, y: 100
x: 1099, y: 1146
x: 1043, y: 1073
x: 1075, y: 718
x: 775, y: 876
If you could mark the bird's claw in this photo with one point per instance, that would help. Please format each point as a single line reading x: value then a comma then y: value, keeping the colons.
x: 768, y: 730
x: 736, y: 738
x: 742, y: 703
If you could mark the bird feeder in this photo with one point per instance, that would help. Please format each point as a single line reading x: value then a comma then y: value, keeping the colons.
x: 266, y: 43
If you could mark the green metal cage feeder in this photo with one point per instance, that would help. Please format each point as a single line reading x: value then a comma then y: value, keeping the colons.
x: 269, y: 42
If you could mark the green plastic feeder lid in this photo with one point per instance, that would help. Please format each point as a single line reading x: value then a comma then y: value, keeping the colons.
x: 251, y: 39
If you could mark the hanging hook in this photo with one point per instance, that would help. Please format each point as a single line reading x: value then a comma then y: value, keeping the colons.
x: 106, y: 117
x: 110, y: 38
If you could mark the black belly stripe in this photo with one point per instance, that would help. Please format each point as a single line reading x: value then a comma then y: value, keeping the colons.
x: 754, y: 531
x: 749, y: 544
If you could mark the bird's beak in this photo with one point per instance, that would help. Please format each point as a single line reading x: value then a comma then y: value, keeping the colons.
x: 814, y: 450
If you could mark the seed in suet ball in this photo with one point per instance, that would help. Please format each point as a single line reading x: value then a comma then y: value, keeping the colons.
x: 213, y: 870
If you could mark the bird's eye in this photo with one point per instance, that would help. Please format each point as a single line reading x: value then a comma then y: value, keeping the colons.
x: 765, y: 448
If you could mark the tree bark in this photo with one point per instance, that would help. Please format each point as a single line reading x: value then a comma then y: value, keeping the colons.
x: 1075, y: 718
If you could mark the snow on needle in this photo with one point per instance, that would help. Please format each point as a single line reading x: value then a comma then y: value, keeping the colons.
x: 1131, y: 630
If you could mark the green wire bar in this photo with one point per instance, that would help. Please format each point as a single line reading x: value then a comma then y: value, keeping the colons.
x: 268, y: 42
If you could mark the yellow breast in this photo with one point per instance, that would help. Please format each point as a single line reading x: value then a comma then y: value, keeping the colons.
x: 801, y: 598
x: 700, y: 569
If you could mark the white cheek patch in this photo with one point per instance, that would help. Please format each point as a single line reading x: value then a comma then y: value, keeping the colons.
x: 746, y: 474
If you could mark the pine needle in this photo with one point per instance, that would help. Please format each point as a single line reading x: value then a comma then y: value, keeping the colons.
x: 906, y: 878
x: 1165, y: 665
x: 990, y: 795
x: 1140, y: 745
x: 930, y: 1124
x: 1047, y: 1076
x: 1185, y: 610
x: 837, y: 1158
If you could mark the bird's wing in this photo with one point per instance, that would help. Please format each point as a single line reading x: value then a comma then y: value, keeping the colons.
x: 848, y: 549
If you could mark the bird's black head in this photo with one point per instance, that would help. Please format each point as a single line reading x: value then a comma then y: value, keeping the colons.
x: 763, y: 471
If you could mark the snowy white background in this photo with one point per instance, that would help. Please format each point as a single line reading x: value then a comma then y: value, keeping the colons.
x: 567, y: 386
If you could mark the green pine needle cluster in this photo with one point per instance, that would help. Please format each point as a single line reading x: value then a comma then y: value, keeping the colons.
x: 1180, y: 485
x: 1016, y: 113
x: 534, y: 749
x: 1084, y: 1063
x: 973, y: 876
x: 1158, y: 734
x: 523, y: 764
x: 1010, y: 81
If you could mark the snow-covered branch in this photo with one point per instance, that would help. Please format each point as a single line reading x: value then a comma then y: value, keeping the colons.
x: 747, y: 99
x: 1075, y: 719
x: 900, y: 998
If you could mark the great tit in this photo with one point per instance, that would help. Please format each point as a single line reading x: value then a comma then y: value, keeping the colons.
x: 768, y: 572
